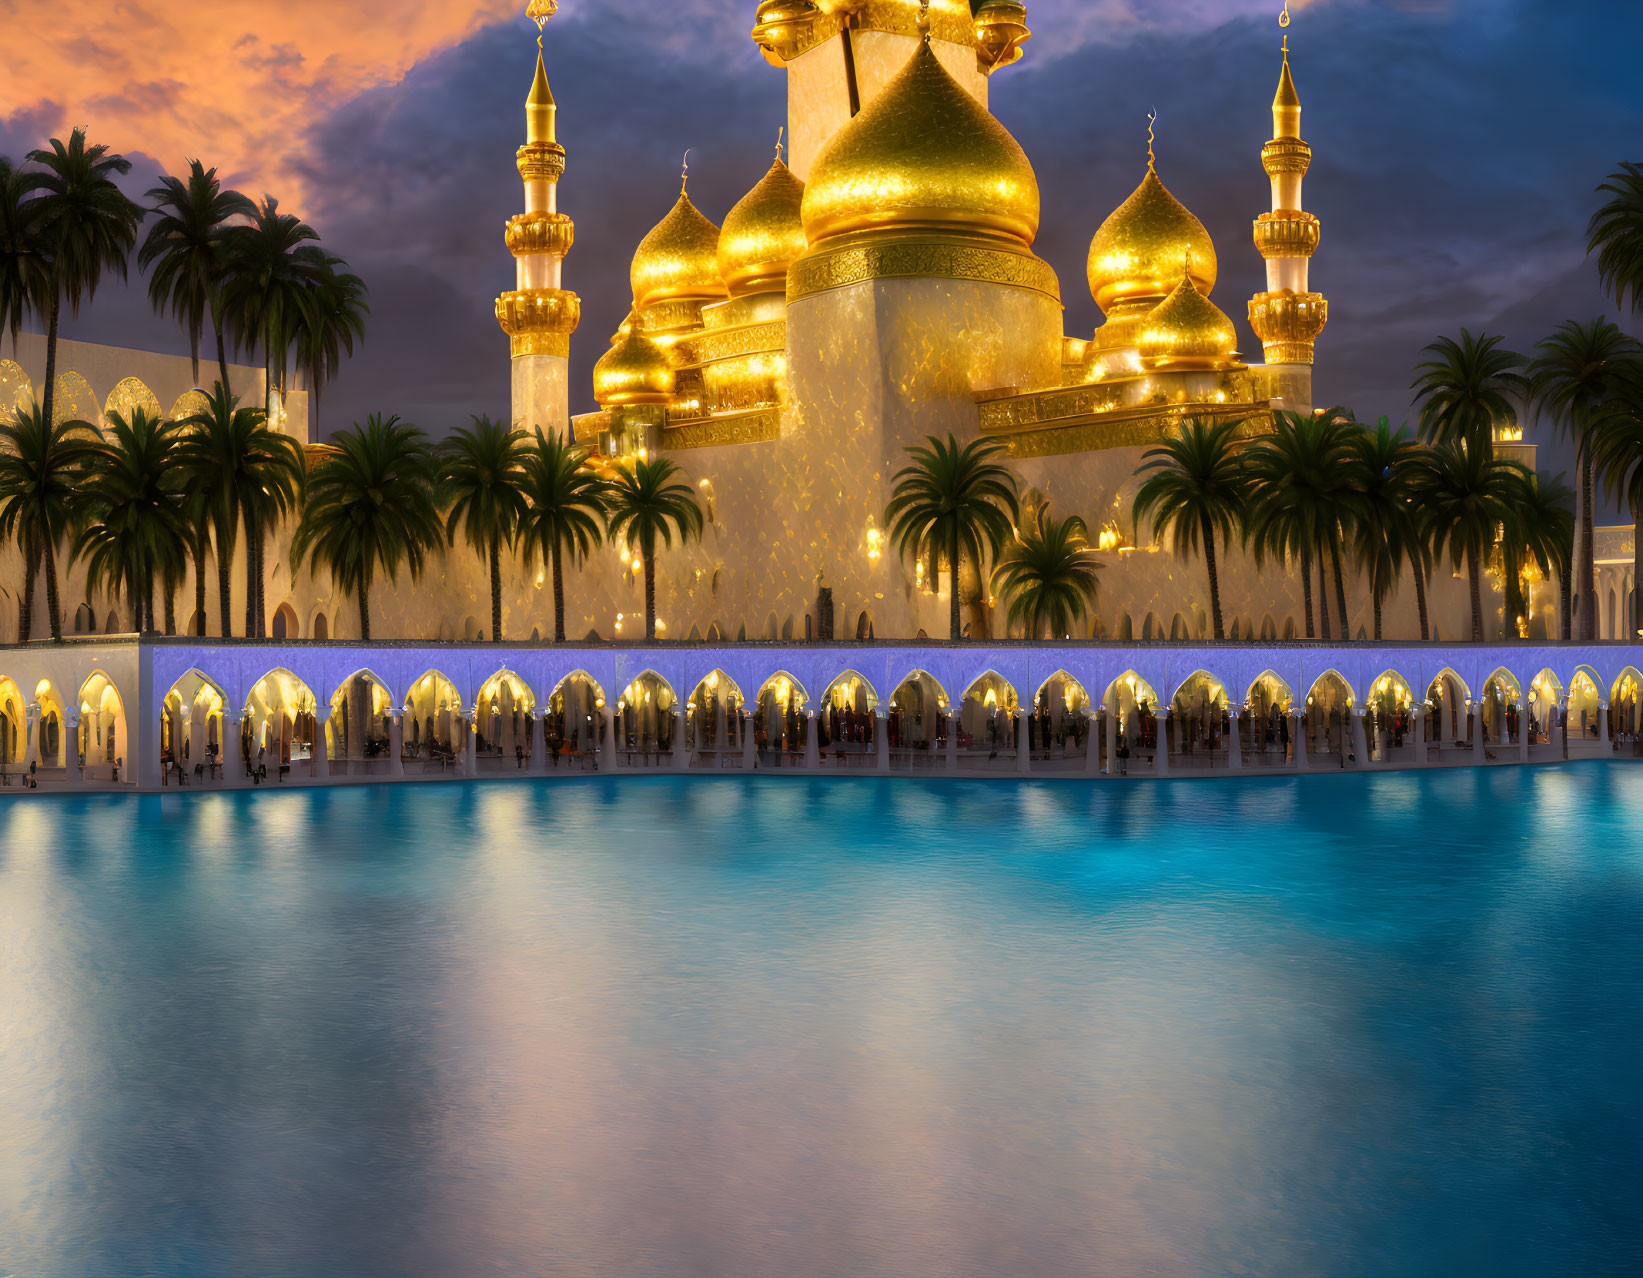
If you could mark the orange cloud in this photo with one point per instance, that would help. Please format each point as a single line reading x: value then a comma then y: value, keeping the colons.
x: 236, y: 85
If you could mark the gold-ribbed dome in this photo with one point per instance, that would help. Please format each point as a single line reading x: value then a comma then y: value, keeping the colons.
x: 634, y: 371
x: 1141, y: 251
x: 1187, y: 332
x: 679, y: 259
x: 763, y: 235
x: 923, y: 155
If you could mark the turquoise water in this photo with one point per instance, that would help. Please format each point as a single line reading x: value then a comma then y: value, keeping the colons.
x: 1333, y: 1025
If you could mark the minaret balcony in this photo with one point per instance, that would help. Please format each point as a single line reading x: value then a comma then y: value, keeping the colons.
x: 1287, y: 233
x: 529, y: 234
x: 539, y: 321
x: 1288, y: 323
x: 1286, y: 155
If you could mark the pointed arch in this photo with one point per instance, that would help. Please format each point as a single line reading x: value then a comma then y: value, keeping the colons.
x: 784, y: 684
x: 1449, y: 673
x: 285, y: 624
x: 648, y: 681
x: 717, y: 682
x: 1331, y: 680
x: 279, y: 725
x: 1628, y: 681
x: 854, y: 685
x: 129, y: 394
x: 1389, y: 692
x: 1129, y: 690
x: 1269, y: 690
x: 1068, y: 680
x: 581, y: 676
x: 1507, y: 680
x: 1215, y: 685
x: 438, y: 683
x: 13, y: 721
x: 188, y: 404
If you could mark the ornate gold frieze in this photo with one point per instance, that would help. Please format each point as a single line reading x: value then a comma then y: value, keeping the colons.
x: 929, y: 259
x: 588, y: 427
x: 1286, y: 155
x: 539, y: 321
x: 530, y: 233
x: 1287, y: 233
x: 1132, y: 428
x: 1288, y: 323
x: 718, y: 432
x: 671, y: 317
x: 541, y: 161
x: 731, y: 343
x: 1024, y: 412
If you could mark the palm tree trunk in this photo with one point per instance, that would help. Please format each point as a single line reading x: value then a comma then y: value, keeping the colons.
x: 194, y: 349
x: 1566, y: 606
x: 225, y: 580
x: 1587, y: 584
x: 650, y: 592
x: 953, y: 619
x: 53, y: 612
x: 199, y: 583
x: 1323, y: 596
x: 49, y: 394
x: 496, y: 591
x: 1420, y: 596
x: 31, y: 569
x: 364, y: 611
x: 1340, y: 591
x: 1377, y: 595
x: 170, y: 612
x: 1637, y: 577
x: 250, y: 577
x: 1306, y: 591
x: 558, y: 596
x: 262, y: 586
x: 1474, y: 581
x: 1214, y: 578
x: 222, y: 360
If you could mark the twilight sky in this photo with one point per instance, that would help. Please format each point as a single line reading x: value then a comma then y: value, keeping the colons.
x: 1456, y: 147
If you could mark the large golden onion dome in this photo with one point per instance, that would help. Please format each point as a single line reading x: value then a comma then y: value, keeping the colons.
x: 679, y: 259
x: 763, y: 235
x: 923, y: 155
x: 633, y: 371
x: 1187, y: 332
x: 1141, y: 251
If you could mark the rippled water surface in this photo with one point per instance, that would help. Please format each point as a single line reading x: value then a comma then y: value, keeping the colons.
x: 1340, y: 1025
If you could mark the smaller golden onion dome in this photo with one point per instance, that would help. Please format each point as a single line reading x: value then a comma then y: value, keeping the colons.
x: 923, y: 155
x: 1286, y: 105
x: 763, y: 235
x: 679, y: 259
x: 1146, y: 245
x: 633, y: 371
x: 1187, y: 332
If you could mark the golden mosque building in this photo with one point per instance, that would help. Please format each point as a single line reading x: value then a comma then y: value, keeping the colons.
x: 876, y: 286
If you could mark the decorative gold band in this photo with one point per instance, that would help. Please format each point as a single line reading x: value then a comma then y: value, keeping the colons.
x: 671, y: 317
x: 539, y: 344
x: 530, y: 233
x: 796, y: 28
x: 718, y: 432
x: 1286, y: 155
x: 1288, y: 323
x: 818, y: 272
x: 1287, y: 233
x: 1289, y: 352
x: 541, y: 161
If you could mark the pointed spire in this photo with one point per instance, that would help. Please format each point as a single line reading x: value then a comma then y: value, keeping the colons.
x: 1286, y: 103
x: 1152, y: 121
x: 540, y: 108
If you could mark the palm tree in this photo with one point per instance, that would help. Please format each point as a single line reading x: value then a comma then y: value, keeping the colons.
x: 953, y: 503
x: 1466, y: 389
x: 242, y: 470
x: 1543, y: 534
x: 1577, y: 370
x: 1617, y: 453
x: 645, y: 505
x: 186, y: 248
x: 132, y: 530
x: 87, y: 227
x: 1049, y: 574
x: 41, y: 468
x: 24, y: 267
x: 332, y: 319
x: 565, y: 503
x: 1198, y: 491
x: 371, y: 506
x: 272, y: 265
x: 1616, y: 236
x: 1471, y: 496
x: 1299, y: 477
x: 1387, y: 529
x: 482, y: 484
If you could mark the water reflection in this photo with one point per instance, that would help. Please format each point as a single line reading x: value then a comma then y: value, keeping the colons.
x: 1344, y: 1025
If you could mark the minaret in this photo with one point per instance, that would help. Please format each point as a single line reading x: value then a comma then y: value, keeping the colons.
x: 538, y: 316
x: 1288, y: 317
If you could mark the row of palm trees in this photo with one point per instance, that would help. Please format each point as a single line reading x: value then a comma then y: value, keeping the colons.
x: 150, y: 497
x: 257, y: 277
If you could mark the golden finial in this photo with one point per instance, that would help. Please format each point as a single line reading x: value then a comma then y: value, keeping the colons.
x: 924, y: 19
x: 1152, y: 119
x: 781, y: 130
x: 1283, y: 18
x: 539, y: 11
x: 684, y: 174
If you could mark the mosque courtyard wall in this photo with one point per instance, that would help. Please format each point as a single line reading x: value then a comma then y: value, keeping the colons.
x: 146, y: 714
